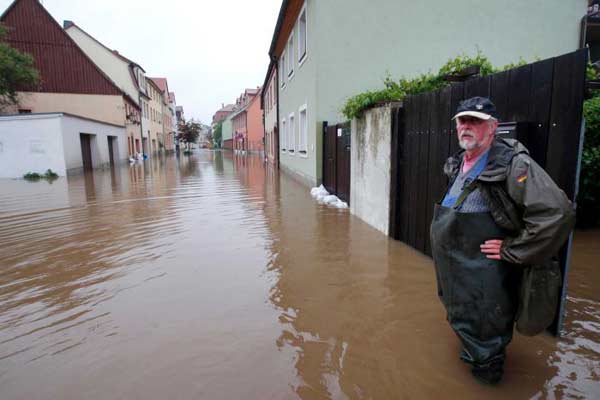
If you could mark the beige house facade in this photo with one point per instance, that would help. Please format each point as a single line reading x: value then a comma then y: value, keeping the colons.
x: 156, y: 139
x: 126, y: 74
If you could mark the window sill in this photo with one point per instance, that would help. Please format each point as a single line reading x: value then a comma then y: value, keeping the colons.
x: 290, y: 76
x: 291, y: 152
x: 302, y: 60
x: 303, y: 154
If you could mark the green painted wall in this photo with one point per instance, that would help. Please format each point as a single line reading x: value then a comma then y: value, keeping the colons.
x: 227, y: 130
x: 406, y: 38
x: 301, y: 90
x: 353, y: 44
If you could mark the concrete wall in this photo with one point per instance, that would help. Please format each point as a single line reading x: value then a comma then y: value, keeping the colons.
x: 72, y: 127
x: 37, y: 142
x: 370, y: 167
x: 31, y: 144
x: 105, y: 108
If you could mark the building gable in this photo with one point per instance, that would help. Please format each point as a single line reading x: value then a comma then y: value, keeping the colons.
x: 63, y: 66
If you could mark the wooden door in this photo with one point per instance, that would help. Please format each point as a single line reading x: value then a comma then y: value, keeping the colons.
x: 342, y: 166
x: 111, y: 156
x: 329, y: 159
x: 86, y: 151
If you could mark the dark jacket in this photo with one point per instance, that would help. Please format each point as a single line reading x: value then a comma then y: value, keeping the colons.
x: 524, y: 200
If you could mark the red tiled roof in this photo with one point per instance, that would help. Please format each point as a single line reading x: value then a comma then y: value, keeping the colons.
x: 161, y: 83
x: 63, y: 66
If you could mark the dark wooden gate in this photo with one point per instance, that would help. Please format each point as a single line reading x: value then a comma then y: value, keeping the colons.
x: 546, y: 97
x: 336, y: 160
x: 86, y: 151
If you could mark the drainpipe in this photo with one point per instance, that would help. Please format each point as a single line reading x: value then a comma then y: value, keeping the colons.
x: 276, y: 66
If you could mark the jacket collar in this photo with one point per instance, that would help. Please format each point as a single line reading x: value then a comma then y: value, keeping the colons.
x: 500, y: 156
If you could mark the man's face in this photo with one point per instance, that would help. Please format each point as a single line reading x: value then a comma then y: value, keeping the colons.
x: 474, y: 133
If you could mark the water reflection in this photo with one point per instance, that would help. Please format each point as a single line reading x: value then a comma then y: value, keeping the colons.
x: 211, y: 276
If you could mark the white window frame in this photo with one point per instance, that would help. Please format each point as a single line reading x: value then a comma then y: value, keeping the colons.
x: 283, y: 136
x: 303, y: 127
x: 291, y: 134
x: 282, y: 68
x: 302, y: 57
x: 290, y: 52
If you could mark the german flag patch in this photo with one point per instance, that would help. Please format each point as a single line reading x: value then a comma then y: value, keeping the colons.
x: 522, y: 178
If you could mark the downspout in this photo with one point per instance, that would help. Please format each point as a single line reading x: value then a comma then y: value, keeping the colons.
x: 276, y: 66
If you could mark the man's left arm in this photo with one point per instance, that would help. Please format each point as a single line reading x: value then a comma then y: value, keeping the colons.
x: 547, y: 214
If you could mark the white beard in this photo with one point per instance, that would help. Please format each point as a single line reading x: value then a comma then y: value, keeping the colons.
x: 468, y: 144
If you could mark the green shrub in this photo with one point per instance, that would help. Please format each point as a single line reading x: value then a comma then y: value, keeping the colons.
x: 49, y: 175
x: 588, y: 198
x: 32, y: 176
x: 463, y: 61
x: 397, y: 90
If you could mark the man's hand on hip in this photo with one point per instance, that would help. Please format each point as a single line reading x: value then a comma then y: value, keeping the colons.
x: 492, y: 248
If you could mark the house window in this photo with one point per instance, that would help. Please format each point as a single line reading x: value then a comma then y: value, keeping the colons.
x: 24, y: 111
x: 291, y: 134
x: 302, y: 131
x: 302, y: 36
x: 283, y: 137
x: 290, y: 54
x: 282, y: 69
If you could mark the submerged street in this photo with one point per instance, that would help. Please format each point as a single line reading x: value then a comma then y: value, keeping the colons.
x: 211, y: 276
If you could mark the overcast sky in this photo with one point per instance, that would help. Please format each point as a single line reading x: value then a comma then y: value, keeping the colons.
x: 209, y: 51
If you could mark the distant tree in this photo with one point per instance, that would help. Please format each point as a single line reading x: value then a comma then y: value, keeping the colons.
x: 218, y: 135
x: 188, y: 132
x: 16, y: 72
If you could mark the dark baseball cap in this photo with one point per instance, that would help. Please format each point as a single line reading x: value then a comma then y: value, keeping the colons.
x: 478, y: 107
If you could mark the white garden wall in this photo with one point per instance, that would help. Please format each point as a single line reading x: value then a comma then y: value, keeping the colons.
x: 31, y: 143
x: 37, y: 142
x: 370, y: 165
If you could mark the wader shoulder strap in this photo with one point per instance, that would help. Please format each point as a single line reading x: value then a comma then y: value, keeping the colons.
x: 464, y: 194
x: 474, y: 173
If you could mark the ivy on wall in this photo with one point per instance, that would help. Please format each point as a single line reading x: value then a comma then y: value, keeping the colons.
x: 588, y: 199
x: 397, y: 90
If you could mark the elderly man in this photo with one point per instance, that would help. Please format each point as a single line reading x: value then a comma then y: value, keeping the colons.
x: 500, y: 213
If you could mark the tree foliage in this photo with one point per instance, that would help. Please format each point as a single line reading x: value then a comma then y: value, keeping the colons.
x: 188, y: 132
x: 16, y: 72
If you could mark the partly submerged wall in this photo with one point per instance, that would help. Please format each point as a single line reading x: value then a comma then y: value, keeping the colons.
x: 371, y: 139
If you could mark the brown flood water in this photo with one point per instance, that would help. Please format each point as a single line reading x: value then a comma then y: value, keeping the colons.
x: 209, y: 277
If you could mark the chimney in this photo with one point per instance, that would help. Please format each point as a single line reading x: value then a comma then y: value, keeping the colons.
x: 67, y: 24
x: 222, y: 105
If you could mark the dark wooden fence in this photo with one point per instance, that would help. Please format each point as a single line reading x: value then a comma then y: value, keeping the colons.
x: 546, y: 97
x: 336, y: 160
